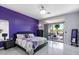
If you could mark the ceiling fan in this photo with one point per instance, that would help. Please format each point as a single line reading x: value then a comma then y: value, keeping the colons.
x: 43, y: 10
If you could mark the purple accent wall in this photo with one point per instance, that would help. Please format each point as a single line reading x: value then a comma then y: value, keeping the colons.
x: 18, y: 22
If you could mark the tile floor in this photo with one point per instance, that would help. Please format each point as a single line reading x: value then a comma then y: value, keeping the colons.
x: 56, y: 48
x: 52, y: 48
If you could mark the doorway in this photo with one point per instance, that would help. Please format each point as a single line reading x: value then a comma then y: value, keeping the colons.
x: 56, y: 32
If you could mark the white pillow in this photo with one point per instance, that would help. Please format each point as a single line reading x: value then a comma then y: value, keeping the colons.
x: 20, y: 36
x: 31, y: 35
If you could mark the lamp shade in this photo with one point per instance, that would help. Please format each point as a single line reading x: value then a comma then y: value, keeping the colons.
x: 4, y: 34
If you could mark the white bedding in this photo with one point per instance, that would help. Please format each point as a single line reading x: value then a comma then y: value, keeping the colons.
x: 30, y: 43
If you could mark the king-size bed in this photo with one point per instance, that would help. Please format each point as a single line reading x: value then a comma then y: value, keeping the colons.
x: 29, y: 42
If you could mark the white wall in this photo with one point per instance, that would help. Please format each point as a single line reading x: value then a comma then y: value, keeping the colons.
x: 50, y: 20
x: 71, y: 21
x: 4, y: 25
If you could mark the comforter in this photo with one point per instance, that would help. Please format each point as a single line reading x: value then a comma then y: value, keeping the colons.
x: 30, y: 44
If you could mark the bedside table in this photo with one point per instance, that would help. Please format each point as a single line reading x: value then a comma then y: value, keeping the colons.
x: 9, y: 44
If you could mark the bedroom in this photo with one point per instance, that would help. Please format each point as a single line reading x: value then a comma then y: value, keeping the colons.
x: 27, y: 26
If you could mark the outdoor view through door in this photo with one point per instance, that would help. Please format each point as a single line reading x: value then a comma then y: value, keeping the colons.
x: 56, y: 32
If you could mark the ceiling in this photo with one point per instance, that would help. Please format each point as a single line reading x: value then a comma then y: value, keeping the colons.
x: 33, y: 10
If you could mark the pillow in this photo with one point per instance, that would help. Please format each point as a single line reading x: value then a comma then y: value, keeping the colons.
x: 26, y: 35
x: 31, y: 35
x: 20, y: 36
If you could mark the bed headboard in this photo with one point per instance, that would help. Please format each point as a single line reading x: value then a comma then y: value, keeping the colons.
x: 21, y: 33
x: 24, y: 33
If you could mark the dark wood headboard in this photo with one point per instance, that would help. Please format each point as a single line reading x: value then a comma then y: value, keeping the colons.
x: 21, y: 33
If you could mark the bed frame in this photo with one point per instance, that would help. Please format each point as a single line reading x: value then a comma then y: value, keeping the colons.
x: 37, y: 49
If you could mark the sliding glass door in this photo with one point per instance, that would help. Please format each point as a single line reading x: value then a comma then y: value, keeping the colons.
x: 56, y: 32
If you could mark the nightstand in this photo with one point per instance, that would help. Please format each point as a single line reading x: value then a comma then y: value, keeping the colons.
x: 9, y: 44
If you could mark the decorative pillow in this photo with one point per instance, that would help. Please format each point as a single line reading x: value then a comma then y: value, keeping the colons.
x: 31, y: 35
x: 26, y: 35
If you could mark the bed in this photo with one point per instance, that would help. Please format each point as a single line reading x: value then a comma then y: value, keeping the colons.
x: 29, y: 42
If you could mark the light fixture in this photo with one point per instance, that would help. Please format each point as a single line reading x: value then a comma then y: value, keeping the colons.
x: 43, y: 11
